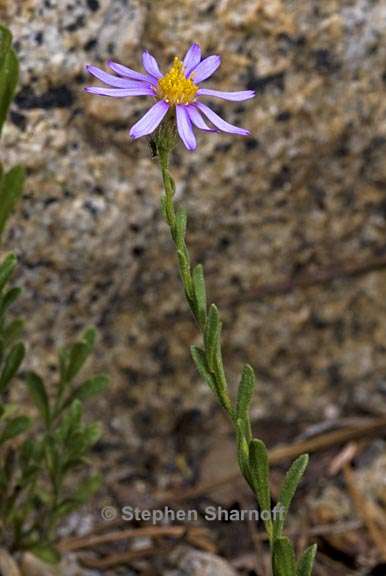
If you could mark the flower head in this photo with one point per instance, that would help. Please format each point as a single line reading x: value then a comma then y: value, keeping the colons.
x: 179, y: 89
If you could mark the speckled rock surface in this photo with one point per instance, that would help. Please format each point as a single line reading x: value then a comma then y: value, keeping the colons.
x: 305, y: 193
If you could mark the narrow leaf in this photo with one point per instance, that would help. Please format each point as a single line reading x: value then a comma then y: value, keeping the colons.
x: 6, y: 268
x: 91, y: 387
x: 39, y: 395
x: 87, y: 488
x: 291, y: 482
x: 75, y: 414
x: 242, y: 450
x: 200, y: 292
x: 199, y: 358
x: 284, y: 562
x: 185, y: 272
x: 89, y: 337
x: 259, y: 467
x: 9, y: 298
x: 246, y: 389
x: 244, y: 397
x: 5, y: 43
x: 9, y: 75
x: 46, y: 552
x: 78, y: 354
x: 212, y: 335
x: 181, y: 221
x: 306, y: 562
x: 13, y: 330
x: 11, y: 189
x: 15, y: 427
x: 12, y: 364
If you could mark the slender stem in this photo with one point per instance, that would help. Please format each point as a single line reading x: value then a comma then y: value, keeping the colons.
x: 252, y: 454
x: 173, y: 218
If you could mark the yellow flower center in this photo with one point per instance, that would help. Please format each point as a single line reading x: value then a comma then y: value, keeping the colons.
x: 174, y: 87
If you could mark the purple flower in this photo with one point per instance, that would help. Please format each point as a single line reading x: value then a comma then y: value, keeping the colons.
x: 179, y: 88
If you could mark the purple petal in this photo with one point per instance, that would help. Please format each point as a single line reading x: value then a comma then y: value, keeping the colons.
x: 197, y: 119
x: 205, y: 69
x: 151, y: 65
x: 235, y: 96
x: 184, y: 127
x: 111, y: 80
x: 129, y: 73
x: 219, y: 122
x: 148, y: 123
x: 192, y: 58
x: 120, y: 92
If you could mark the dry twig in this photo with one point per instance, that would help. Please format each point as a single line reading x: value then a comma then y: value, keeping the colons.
x: 285, y: 452
x: 365, y: 510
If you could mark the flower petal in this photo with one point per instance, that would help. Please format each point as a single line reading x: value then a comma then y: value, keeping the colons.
x: 198, y: 120
x: 219, y: 122
x: 184, y: 127
x: 150, y: 121
x: 151, y: 65
x: 112, y: 80
x: 192, y: 58
x: 205, y: 69
x: 129, y: 73
x: 235, y: 96
x: 120, y: 92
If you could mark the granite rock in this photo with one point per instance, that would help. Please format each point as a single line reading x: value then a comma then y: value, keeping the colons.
x: 305, y: 193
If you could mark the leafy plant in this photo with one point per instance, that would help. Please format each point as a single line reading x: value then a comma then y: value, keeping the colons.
x: 252, y: 453
x: 39, y: 455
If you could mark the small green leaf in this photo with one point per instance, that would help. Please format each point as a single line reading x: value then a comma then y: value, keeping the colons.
x: 92, y: 434
x: 212, y: 335
x: 77, y: 354
x: 76, y: 413
x: 91, y: 387
x: 199, y: 358
x: 246, y: 389
x: 242, y: 450
x: 6, y: 269
x: 291, y: 482
x: 5, y: 43
x: 259, y: 467
x: 9, y: 74
x: 89, y: 337
x: 200, y: 293
x: 181, y: 222
x: 11, y: 188
x: 46, y: 552
x: 71, y: 421
x: 306, y: 562
x: 52, y: 456
x: 284, y: 562
x: 9, y: 298
x: 13, y: 330
x: 15, y: 427
x: 244, y: 397
x: 87, y: 488
x: 12, y: 363
x: 171, y: 183
x: 39, y: 395
x: 185, y: 272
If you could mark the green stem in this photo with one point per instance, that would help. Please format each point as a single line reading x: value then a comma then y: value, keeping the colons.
x: 252, y: 454
x: 214, y: 366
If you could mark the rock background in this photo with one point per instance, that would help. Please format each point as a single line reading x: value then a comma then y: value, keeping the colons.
x: 304, y: 195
